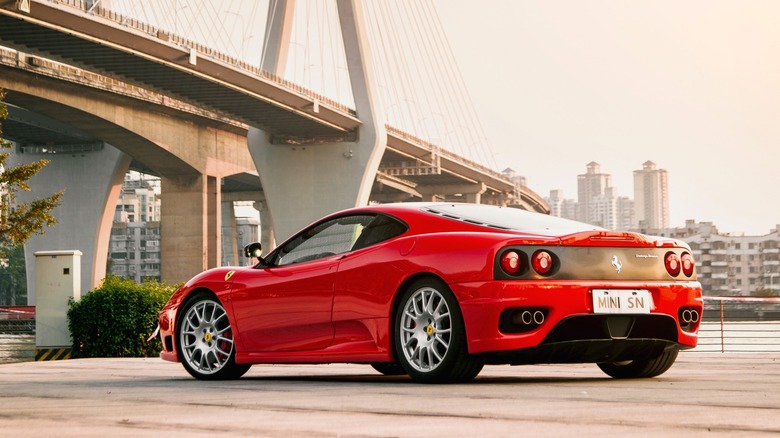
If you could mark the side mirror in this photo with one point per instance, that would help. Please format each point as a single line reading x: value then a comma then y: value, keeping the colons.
x: 254, y: 250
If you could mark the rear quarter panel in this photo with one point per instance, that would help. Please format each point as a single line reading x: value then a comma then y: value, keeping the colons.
x: 369, y: 279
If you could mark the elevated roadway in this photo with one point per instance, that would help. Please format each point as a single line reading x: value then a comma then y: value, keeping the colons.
x: 98, y: 40
x: 128, y: 95
x: 411, y: 168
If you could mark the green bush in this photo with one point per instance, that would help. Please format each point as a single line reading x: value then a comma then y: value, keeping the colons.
x: 116, y: 319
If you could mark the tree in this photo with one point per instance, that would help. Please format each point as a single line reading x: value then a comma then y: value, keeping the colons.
x: 19, y: 221
x: 13, y: 278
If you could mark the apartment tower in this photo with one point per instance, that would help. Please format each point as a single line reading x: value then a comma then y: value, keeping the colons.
x: 651, y: 196
x: 591, y: 188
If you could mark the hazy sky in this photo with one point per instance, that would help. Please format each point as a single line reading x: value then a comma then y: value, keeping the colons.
x: 692, y: 85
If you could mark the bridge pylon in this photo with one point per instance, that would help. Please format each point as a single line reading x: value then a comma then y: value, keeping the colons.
x: 307, y: 180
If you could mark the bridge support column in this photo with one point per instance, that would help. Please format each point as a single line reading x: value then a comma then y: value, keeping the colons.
x: 92, y: 181
x: 190, y: 225
x: 471, y: 193
x: 302, y: 184
x: 214, y: 221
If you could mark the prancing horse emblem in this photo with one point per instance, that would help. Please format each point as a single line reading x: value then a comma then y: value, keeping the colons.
x: 616, y: 263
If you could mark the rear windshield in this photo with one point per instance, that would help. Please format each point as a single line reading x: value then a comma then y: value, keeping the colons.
x: 508, y: 218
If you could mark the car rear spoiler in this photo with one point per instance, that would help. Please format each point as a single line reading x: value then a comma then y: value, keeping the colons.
x: 617, y: 238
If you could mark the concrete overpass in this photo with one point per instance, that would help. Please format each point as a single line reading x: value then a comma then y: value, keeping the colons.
x: 155, y: 101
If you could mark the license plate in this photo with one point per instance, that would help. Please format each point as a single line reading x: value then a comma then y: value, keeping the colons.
x: 622, y: 301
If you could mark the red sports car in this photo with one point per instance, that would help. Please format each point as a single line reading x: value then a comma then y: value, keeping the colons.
x: 436, y: 291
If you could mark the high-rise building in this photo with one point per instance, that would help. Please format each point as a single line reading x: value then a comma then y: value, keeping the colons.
x: 135, y: 250
x: 139, y: 200
x: 135, y: 235
x: 591, y: 188
x: 624, y: 212
x: 651, y: 196
x: 602, y: 209
x: 555, y: 200
x: 560, y: 206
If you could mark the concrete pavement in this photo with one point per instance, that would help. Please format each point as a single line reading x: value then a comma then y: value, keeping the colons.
x: 709, y: 394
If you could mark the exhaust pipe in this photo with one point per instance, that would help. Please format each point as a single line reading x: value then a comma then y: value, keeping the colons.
x: 689, y: 316
x: 529, y: 318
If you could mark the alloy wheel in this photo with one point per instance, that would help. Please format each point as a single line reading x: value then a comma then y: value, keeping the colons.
x: 206, y: 338
x: 425, y: 329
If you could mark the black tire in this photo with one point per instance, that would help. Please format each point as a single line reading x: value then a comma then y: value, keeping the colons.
x: 389, y: 369
x: 429, y: 335
x: 204, y: 340
x: 640, y: 369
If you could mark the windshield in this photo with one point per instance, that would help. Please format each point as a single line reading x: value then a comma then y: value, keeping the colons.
x: 508, y: 218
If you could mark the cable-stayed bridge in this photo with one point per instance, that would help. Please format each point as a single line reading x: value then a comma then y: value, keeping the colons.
x: 99, y: 90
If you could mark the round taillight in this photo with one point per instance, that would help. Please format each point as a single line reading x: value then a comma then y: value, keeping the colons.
x: 672, y: 263
x: 687, y: 264
x: 542, y: 262
x: 511, y: 262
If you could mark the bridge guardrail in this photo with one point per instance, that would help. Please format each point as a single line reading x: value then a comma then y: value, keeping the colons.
x: 740, y: 325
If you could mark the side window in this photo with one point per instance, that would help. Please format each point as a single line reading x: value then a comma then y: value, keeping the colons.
x: 380, y: 229
x: 335, y: 236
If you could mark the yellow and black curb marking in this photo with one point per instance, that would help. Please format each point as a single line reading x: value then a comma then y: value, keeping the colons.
x: 52, y: 354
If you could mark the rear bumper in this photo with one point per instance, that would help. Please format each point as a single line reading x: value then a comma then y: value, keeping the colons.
x: 569, y: 316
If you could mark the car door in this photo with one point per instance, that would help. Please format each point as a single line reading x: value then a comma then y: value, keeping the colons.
x: 286, y: 304
x: 369, y: 274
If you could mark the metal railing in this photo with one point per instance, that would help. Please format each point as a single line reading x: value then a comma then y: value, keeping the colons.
x: 730, y: 325
x: 17, y: 320
x: 740, y: 325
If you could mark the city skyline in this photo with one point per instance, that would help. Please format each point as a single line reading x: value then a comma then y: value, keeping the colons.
x: 690, y: 86
x: 598, y: 203
x: 569, y: 205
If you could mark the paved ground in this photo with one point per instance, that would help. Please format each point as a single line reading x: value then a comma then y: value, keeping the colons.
x: 708, y: 394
